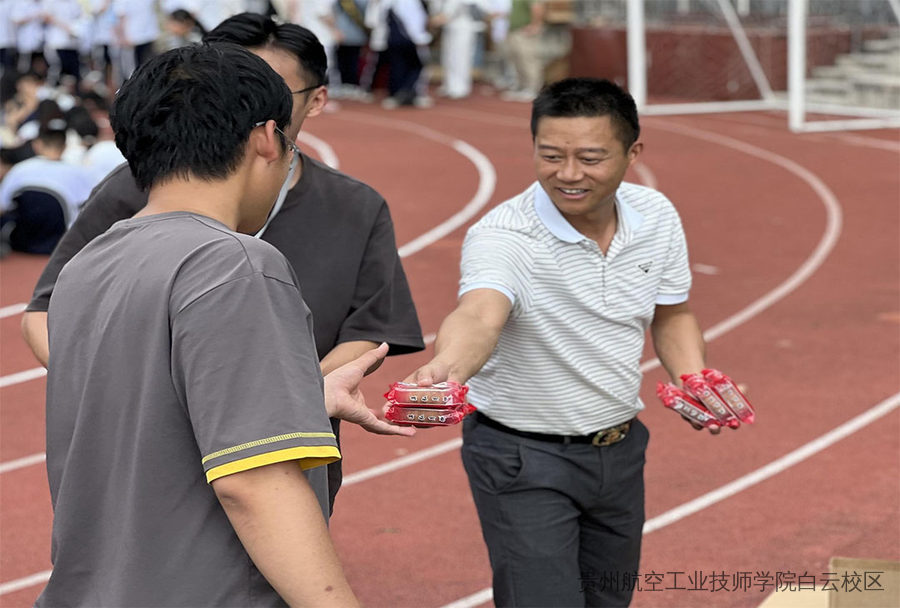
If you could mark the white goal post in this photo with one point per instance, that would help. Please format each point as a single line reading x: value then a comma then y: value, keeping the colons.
x: 717, y: 33
x: 798, y: 106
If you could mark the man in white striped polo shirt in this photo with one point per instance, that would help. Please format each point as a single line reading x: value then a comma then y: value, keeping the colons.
x: 559, y: 285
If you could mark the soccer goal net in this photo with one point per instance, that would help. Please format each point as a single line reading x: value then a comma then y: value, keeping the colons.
x: 844, y: 64
x: 831, y: 64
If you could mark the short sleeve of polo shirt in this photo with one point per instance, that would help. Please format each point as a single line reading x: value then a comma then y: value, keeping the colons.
x: 499, y: 259
x: 245, y: 365
x: 675, y: 282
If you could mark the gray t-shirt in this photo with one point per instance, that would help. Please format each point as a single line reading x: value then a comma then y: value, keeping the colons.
x: 182, y: 352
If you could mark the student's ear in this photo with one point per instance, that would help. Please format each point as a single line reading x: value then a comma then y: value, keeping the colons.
x: 264, y: 141
x: 316, y: 102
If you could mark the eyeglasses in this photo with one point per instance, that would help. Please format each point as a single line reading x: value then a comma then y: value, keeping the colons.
x: 291, y: 145
x: 306, y: 90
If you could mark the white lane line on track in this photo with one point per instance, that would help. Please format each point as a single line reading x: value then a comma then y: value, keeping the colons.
x: 647, y: 177
x: 402, y: 462
x: 868, y: 142
x: 11, y: 310
x: 38, y: 578
x: 740, y: 484
x: 28, y: 374
x: 487, y: 176
x: 20, y: 463
x: 833, y: 224
x: 323, y: 149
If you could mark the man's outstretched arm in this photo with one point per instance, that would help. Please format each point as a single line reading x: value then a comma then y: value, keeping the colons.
x: 466, y: 338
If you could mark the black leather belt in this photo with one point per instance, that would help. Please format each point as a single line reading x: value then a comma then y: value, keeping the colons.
x: 601, y: 438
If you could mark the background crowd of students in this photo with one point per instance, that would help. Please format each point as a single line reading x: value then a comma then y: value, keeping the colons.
x: 62, y: 61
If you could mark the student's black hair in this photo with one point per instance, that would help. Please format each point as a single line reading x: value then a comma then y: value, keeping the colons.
x: 80, y: 120
x: 251, y: 30
x: 47, y: 110
x: 187, y: 18
x: 588, y: 97
x: 190, y: 111
x: 52, y: 132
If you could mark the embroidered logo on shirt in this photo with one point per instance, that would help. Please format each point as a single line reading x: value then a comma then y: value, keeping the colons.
x: 645, y: 266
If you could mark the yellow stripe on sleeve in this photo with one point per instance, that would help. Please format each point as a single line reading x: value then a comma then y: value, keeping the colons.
x: 265, y: 441
x: 308, y: 457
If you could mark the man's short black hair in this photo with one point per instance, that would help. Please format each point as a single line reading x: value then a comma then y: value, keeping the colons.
x: 251, y: 30
x: 588, y: 97
x: 189, y: 111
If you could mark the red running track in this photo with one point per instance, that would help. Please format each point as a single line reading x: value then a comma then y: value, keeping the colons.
x: 804, y: 228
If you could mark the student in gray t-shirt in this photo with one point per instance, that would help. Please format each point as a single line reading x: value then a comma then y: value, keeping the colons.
x: 360, y: 298
x: 185, y: 402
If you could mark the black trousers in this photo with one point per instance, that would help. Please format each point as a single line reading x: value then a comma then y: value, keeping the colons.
x: 348, y: 63
x: 562, y: 522
x: 405, y: 69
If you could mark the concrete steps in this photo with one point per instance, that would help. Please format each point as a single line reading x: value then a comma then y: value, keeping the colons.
x: 869, y: 78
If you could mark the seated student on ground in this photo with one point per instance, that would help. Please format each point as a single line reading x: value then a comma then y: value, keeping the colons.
x: 42, y: 195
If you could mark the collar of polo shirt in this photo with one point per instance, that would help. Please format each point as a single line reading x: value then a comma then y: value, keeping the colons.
x: 550, y: 216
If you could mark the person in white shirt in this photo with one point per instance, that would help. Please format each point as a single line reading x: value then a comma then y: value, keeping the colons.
x: 65, y: 25
x: 104, y: 50
x: 137, y: 30
x: 318, y: 17
x: 400, y: 31
x: 27, y: 18
x: 559, y: 286
x: 45, y: 180
x: 460, y: 22
x: 8, y: 54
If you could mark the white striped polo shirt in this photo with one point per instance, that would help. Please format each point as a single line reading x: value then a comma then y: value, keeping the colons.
x: 567, y: 361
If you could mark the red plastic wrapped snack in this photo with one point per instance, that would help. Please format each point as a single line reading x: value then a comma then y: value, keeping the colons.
x: 732, y: 396
x: 676, y: 399
x: 437, y: 395
x: 697, y: 386
x: 441, y: 404
x: 428, y: 416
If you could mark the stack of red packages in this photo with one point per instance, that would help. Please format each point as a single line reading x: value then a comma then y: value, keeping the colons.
x: 709, y: 398
x: 441, y: 404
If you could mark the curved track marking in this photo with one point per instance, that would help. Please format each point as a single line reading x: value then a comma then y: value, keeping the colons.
x: 833, y: 223
x: 20, y: 463
x: 487, y: 177
x: 647, y: 177
x: 12, y: 310
x: 33, y: 580
x: 323, y: 149
x: 29, y: 374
